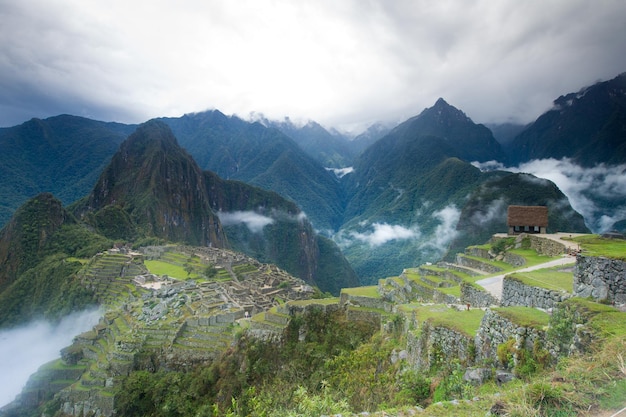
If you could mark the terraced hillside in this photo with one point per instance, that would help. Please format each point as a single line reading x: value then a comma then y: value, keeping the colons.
x: 154, y: 321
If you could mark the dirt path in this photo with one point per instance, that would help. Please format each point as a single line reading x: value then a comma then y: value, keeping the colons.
x: 494, y: 284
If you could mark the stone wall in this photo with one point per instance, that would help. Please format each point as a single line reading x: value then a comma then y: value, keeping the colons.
x: 477, y: 297
x: 430, y: 344
x: 545, y: 246
x: 476, y: 264
x: 600, y: 278
x: 516, y: 293
x: 495, y: 330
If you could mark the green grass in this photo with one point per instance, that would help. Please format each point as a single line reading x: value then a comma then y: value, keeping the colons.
x: 594, y: 245
x: 371, y: 291
x: 549, y: 278
x: 524, y: 316
x: 171, y: 270
x: 465, y: 322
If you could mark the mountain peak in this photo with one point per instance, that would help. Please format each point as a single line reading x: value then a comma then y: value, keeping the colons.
x: 441, y: 103
x: 159, y: 187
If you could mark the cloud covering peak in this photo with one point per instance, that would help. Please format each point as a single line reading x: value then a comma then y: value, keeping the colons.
x: 344, y: 64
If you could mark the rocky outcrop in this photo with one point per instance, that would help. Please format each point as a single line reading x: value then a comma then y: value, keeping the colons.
x: 516, y: 293
x: 600, y: 278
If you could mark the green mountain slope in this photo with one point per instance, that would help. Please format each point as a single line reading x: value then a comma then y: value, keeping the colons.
x: 37, y: 278
x: 250, y: 152
x: 63, y: 155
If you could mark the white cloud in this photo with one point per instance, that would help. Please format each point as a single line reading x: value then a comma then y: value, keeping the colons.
x: 446, y: 231
x: 341, y: 172
x: 346, y: 63
x: 587, y: 189
x: 253, y: 221
x: 24, y: 349
x: 383, y: 233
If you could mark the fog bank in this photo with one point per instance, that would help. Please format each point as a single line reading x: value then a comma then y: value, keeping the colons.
x: 24, y: 349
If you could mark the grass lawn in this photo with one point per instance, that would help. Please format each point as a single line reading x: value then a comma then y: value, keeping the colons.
x: 171, y: 270
x: 549, y: 278
x: 594, y: 245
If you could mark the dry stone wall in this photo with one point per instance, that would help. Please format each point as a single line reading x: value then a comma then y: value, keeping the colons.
x: 516, y: 293
x: 495, y: 330
x: 600, y: 278
x: 476, y: 297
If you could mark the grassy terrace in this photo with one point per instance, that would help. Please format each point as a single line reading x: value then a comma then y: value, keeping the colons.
x: 371, y: 291
x: 465, y: 322
x: 549, y: 278
x: 169, y: 269
x: 524, y: 316
x: 594, y: 245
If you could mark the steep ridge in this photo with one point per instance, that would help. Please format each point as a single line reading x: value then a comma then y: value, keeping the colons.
x: 160, y: 187
x: 251, y: 152
x: 588, y: 126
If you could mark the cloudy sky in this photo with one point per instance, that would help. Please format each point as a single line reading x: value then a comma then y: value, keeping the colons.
x: 343, y: 63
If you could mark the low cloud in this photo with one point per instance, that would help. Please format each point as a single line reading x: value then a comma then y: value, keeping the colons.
x: 496, y: 210
x: 383, y: 233
x: 597, y: 193
x: 24, y: 349
x: 341, y: 172
x: 446, y: 231
x: 253, y: 221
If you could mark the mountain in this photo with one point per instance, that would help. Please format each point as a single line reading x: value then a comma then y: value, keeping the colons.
x: 331, y: 150
x: 410, y: 190
x: 265, y: 157
x: 373, y: 133
x: 37, y: 274
x: 588, y: 127
x: 156, y: 189
x: 153, y: 188
x: 504, y: 133
x: 63, y: 155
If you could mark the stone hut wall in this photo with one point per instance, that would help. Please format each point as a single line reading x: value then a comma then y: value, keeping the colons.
x: 516, y: 293
x: 600, y: 278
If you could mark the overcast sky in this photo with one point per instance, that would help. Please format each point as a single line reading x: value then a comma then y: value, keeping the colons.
x: 343, y: 63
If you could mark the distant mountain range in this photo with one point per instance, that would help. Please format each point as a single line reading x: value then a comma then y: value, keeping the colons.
x: 410, y: 195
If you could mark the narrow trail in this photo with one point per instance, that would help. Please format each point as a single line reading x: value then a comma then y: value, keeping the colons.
x: 494, y: 284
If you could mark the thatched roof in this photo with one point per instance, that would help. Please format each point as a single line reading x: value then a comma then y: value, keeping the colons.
x: 527, y: 216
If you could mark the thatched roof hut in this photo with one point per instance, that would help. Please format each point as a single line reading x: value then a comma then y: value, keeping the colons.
x: 527, y: 219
